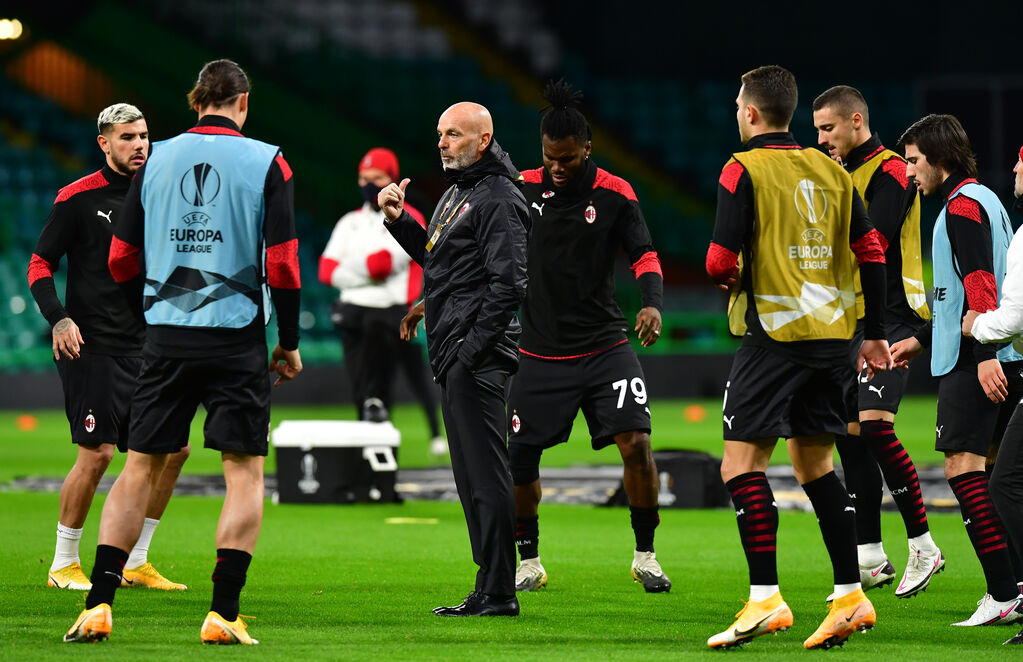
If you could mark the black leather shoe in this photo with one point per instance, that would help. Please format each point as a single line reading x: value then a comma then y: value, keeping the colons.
x: 482, y: 604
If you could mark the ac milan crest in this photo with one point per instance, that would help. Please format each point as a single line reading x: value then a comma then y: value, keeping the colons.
x: 591, y: 214
x: 90, y: 423
x: 464, y: 209
x: 516, y: 423
x: 547, y: 194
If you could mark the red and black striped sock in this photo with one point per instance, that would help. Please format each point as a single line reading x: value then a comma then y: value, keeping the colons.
x: 986, y: 533
x: 899, y: 473
x: 527, y: 536
x: 228, y: 580
x: 757, y: 516
x: 106, y: 575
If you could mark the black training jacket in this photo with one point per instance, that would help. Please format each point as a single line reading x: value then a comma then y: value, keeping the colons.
x: 473, y: 255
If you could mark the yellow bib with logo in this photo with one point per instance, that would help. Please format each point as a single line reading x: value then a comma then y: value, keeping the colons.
x: 909, y: 240
x: 798, y: 262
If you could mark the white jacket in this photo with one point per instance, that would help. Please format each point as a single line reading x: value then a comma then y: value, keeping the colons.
x: 356, y: 244
x: 1006, y: 322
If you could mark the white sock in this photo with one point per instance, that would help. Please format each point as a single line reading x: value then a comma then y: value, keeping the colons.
x: 67, y: 547
x: 761, y: 592
x: 871, y: 554
x: 140, y: 552
x: 924, y: 542
x: 842, y: 590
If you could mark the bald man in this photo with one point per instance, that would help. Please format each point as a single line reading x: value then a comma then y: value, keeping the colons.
x: 473, y: 255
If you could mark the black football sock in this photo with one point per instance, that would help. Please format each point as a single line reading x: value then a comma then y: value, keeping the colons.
x: 644, y: 521
x: 899, y: 473
x: 986, y: 533
x: 106, y: 575
x: 757, y: 516
x: 837, y: 519
x: 228, y: 580
x: 863, y: 483
x: 527, y: 537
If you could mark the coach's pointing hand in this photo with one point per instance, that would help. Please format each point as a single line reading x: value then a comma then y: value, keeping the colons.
x: 391, y: 199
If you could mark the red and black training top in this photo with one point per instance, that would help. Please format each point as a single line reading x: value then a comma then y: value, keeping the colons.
x: 733, y: 233
x: 80, y: 227
x: 576, y: 234
x: 969, y: 233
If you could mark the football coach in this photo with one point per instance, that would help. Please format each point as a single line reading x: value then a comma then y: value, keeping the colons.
x: 473, y: 255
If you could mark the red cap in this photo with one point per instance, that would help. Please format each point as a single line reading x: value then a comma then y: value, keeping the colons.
x: 380, y: 158
x: 1021, y: 153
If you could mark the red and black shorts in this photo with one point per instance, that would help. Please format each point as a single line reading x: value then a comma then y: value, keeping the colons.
x: 546, y: 395
x: 234, y: 389
x: 768, y: 396
x: 97, y: 397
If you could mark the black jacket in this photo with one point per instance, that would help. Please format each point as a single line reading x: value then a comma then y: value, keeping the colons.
x: 473, y: 255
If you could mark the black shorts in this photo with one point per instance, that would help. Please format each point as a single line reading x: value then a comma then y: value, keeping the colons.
x: 97, y: 397
x: 885, y: 390
x: 966, y: 418
x: 546, y: 395
x: 234, y: 389
x: 768, y: 396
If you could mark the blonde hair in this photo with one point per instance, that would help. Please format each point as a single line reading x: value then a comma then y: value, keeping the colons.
x: 119, y: 113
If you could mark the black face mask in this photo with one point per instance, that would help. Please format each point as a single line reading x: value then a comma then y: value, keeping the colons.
x: 369, y: 193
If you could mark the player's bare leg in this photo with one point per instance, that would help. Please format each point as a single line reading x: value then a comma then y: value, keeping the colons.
x: 237, y: 532
x: 641, y: 484
x: 138, y: 571
x: 76, y: 496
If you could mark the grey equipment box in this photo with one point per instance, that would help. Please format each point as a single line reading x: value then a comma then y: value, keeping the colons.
x: 336, y: 462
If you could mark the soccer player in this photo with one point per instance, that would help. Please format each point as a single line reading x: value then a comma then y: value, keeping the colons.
x: 210, y: 219
x: 378, y: 283
x: 473, y: 255
x: 791, y: 214
x: 971, y: 238
x: 97, y: 345
x: 1001, y: 325
x: 574, y: 350
x: 842, y: 120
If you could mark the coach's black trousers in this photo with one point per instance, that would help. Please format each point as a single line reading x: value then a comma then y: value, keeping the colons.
x: 474, y: 406
x: 1006, y: 485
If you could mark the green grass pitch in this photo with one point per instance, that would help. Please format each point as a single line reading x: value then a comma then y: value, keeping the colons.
x: 349, y: 583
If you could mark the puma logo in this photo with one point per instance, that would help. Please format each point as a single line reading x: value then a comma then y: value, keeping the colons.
x: 728, y: 421
x: 876, y: 390
x: 539, y: 208
x: 106, y: 215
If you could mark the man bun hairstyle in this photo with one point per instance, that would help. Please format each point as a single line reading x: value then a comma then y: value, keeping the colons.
x: 219, y: 83
x: 562, y: 119
x: 844, y: 100
x: 943, y: 140
x: 772, y: 89
x: 118, y: 113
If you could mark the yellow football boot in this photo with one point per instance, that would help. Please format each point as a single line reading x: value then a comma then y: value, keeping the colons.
x: 149, y: 577
x: 769, y: 616
x: 218, y: 630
